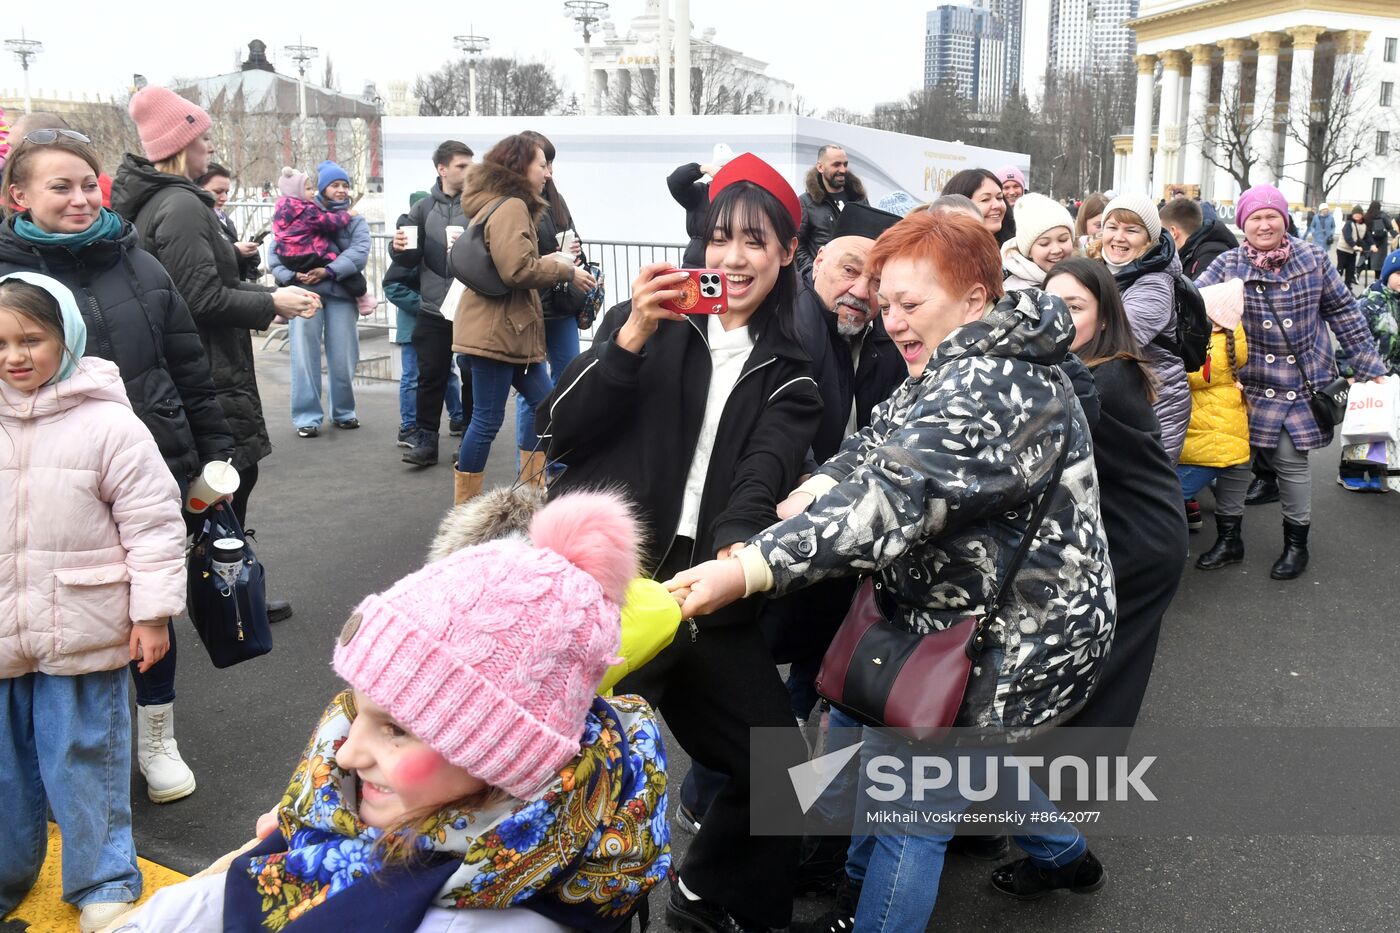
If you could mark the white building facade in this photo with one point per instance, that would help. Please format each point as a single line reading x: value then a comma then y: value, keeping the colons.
x: 621, y: 71
x: 1262, y: 57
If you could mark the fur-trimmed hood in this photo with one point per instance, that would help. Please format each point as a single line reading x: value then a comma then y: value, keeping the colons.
x: 500, y: 513
x: 486, y: 182
x: 855, y: 189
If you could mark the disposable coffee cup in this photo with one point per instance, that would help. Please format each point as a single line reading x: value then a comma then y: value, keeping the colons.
x: 453, y: 232
x: 226, y: 558
x: 217, y: 481
x: 410, y: 235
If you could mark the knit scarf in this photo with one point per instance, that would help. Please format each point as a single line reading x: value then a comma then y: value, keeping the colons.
x: 1269, y: 260
x: 107, y: 226
x: 584, y: 852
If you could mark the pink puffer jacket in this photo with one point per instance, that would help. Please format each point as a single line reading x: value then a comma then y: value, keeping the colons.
x: 91, y: 537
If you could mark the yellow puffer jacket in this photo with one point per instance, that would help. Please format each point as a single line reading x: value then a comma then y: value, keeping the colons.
x: 1218, y: 435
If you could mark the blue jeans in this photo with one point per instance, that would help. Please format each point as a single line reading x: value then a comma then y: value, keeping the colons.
x: 408, y: 389
x: 1195, y: 478
x: 157, y: 685
x: 561, y: 346
x: 491, y: 384
x: 338, y: 323
x: 898, y: 875
x: 65, y: 744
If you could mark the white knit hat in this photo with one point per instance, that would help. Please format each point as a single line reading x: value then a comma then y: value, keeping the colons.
x: 1035, y: 214
x: 1141, y: 205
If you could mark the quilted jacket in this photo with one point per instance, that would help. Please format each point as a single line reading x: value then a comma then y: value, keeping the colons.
x: 91, y: 537
x: 933, y: 498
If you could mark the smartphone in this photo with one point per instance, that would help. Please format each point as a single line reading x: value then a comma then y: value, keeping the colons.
x: 261, y: 236
x: 704, y: 292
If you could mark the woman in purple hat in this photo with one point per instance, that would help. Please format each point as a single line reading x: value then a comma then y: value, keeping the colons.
x: 1290, y: 292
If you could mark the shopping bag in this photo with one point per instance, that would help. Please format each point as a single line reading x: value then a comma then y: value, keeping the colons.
x: 1373, y: 412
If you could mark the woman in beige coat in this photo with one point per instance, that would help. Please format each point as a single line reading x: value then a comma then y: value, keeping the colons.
x: 500, y: 341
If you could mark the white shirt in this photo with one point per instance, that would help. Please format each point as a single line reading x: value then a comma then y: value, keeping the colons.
x: 729, y: 350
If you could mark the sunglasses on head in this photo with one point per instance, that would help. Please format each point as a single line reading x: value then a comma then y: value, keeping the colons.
x: 44, y: 137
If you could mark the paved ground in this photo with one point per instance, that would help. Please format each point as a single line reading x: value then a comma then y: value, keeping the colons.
x: 340, y: 516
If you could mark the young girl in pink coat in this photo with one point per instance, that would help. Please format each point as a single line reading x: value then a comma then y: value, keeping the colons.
x: 91, y: 570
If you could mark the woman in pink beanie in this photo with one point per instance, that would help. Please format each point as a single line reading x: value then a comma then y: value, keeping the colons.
x: 470, y: 765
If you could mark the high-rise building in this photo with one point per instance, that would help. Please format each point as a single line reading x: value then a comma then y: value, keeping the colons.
x: 967, y: 45
x: 1086, y: 33
x: 1010, y: 12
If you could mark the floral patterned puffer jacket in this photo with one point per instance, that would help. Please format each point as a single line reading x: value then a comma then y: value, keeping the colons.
x: 934, y: 497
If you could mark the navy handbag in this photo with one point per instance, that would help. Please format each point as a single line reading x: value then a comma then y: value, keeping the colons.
x: 227, y: 590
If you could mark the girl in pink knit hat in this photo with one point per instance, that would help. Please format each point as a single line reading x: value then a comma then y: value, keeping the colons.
x: 470, y: 764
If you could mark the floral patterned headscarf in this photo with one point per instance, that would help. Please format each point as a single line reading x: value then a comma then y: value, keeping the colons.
x: 1269, y: 260
x: 583, y: 852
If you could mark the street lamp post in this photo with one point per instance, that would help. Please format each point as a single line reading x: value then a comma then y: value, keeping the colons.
x: 26, y: 50
x: 586, y: 13
x: 472, y: 47
x: 302, y: 55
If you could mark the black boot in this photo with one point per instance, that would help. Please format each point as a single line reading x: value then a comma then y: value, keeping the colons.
x: 1026, y: 881
x: 424, y: 451
x: 1294, y: 559
x: 822, y: 867
x: 698, y: 916
x: 840, y: 920
x: 278, y: 610
x: 982, y: 848
x: 1229, y: 544
x: 1264, y: 488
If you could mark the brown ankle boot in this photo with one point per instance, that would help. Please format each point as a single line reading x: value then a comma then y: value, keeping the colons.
x: 465, y: 485
x: 532, y: 468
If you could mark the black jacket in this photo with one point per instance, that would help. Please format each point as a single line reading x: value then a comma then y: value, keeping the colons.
x: 137, y: 319
x: 249, y: 267
x: 621, y: 418
x: 432, y: 216
x: 881, y: 370
x: 694, y: 195
x: 177, y: 224
x: 819, y: 216
x: 1201, y: 247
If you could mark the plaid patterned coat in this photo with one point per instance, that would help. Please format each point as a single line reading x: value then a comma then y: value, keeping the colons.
x: 1293, y: 304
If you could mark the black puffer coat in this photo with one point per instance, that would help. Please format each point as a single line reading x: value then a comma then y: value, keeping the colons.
x: 137, y: 319
x: 177, y: 224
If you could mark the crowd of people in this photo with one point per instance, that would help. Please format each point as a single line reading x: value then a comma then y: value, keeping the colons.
x: 921, y: 397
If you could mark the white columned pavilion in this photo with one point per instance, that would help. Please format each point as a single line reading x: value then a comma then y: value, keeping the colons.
x: 1192, y: 159
x: 1139, y: 182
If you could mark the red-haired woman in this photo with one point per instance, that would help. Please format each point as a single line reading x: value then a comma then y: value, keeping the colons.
x: 932, y: 500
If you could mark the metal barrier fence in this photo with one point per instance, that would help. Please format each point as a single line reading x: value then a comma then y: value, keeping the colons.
x: 620, y: 261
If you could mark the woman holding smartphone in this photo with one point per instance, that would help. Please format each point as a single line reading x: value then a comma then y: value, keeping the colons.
x: 705, y: 419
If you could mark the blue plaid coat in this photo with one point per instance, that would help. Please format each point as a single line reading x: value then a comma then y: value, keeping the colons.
x: 1302, y: 296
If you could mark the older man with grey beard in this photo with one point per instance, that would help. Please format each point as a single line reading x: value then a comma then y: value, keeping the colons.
x: 855, y: 364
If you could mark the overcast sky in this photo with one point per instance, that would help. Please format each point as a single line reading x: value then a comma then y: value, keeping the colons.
x: 849, y: 55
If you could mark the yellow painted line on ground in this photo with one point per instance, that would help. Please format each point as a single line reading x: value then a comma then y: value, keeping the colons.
x: 44, y: 909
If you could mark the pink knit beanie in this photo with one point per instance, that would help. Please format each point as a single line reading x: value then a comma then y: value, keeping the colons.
x: 1010, y: 173
x: 1259, y: 198
x: 292, y: 183
x: 166, y: 121
x: 492, y: 655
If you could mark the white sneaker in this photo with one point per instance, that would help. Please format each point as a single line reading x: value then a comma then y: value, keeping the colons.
x: 167, y: 776
x: 96, y: 916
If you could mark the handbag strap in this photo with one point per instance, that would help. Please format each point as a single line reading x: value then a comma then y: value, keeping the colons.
x: 978, y: 640
x: 1292, y: 351
x: 489, y: 211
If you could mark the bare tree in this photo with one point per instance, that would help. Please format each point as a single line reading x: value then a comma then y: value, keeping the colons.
x: 1339, y: 132
x: 1228, y: 142
x: 1079, y: 115
x: 328, y: 76
x: 505, y: 87
x: 720, y: 84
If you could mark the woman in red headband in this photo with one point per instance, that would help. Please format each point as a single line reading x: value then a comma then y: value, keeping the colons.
x: 706, y: 419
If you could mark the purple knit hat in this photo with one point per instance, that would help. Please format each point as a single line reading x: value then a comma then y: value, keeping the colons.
x: 1259, y: 198
x: 492, y: 655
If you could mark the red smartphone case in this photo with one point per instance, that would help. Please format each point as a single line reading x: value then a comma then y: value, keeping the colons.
x: 706, y: 292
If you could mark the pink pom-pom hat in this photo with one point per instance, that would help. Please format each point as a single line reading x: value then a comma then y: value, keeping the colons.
x: 492, y: 655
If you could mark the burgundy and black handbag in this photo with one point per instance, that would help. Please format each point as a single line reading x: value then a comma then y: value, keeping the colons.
x: 881, y: 674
